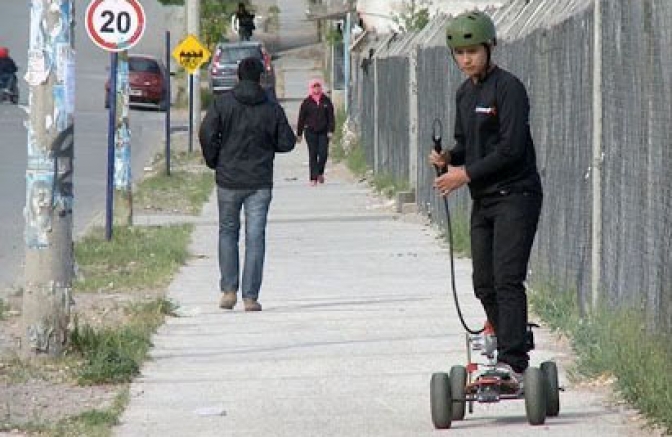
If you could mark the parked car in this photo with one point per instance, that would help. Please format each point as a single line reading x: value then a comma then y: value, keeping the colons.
x: 223, y: 69
x: 148, y: 78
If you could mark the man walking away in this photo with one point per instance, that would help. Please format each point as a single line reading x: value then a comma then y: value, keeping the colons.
x: 240, y: 135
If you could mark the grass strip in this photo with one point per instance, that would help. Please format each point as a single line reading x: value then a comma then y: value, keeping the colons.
x: 185, y: 191
x: 614, y: 342
x: 92, y: 423
x: 114, y: 355
x: 136, y: 258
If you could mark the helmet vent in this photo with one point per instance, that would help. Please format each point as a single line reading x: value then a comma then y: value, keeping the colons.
x: 468, y: 36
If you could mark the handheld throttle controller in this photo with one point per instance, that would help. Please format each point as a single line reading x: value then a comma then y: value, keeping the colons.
x: 437, y: 133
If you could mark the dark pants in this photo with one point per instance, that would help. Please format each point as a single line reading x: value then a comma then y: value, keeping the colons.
x: 502, y: 234
x: 318, y: 152
x: 8, y: 81
x: 244, y: 33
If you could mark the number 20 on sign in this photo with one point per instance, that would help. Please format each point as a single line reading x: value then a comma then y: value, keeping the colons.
x: 115, y: 25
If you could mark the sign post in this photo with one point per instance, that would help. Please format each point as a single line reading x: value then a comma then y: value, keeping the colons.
x: 191, y: 54
x: 114, y: 26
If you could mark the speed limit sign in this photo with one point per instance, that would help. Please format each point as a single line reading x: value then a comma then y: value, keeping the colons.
x: 115, y: 25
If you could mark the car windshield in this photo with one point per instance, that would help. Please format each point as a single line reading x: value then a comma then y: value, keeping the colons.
x: 231, y: 55
x: 143, y: 65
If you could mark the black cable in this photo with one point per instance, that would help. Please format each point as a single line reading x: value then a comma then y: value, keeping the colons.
x: 436, y: 137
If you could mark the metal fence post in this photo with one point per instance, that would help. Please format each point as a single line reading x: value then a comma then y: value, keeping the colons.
x: 596, y: 173
x: 413, y: 118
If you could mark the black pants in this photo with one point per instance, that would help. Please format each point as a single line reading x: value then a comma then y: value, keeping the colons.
x: 318, y: 152
x: 502, y: 234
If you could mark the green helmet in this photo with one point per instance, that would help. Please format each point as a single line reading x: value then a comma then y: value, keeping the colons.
x: 470, y: 28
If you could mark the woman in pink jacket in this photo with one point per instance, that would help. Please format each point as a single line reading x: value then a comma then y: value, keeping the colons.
x: 317, y: 120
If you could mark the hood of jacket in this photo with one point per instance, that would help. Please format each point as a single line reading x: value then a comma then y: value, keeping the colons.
x: 249, y: 92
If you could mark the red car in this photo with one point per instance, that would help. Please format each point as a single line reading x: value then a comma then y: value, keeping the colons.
x: 148, y: 79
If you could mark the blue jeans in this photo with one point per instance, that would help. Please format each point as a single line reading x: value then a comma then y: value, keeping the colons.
x: 256, y: 204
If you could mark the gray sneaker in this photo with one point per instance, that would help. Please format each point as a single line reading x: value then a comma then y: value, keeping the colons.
x: 251, y: 305
x: 515, y: 379
x: 228, y: 300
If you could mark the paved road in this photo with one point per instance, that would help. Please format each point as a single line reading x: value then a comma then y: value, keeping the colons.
x: 90, y: 126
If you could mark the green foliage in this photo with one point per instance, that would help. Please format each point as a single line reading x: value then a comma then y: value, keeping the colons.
x: 135, y: 258
x: 215, y: 21
x: 337, y: 151
x: 356, y: 160
x: 616, y: 342
x: 334, y: 37
x: 92, y: 423
x: 114, y: 354
x: 206, y: 98
x: 414, y: 16
x: 215, y: 18
x: 459, y: 223
x: 354, y: 156
x: 188, y: 191
x: 388, y: 185
x: 4, y: 308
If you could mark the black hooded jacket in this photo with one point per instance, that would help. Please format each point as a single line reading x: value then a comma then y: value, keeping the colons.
x: 240, y: 135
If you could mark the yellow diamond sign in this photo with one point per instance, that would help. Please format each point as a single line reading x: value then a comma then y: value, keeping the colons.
x: 191, y: 54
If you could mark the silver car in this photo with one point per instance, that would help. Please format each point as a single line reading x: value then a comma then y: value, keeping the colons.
x: 223, y: 69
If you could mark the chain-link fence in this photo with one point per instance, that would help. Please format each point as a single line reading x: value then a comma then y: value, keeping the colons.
x: 411, y: 81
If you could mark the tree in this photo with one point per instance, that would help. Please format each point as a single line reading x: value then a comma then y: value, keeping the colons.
x: 414, y: 15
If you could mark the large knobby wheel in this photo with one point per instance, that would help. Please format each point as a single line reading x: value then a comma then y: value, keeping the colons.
x: 458, y: 383
x: 534, y: 385
x: 550, y: 372
x: 441, y: 401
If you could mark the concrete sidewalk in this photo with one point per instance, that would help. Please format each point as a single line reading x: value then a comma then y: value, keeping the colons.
x: 357, y: 316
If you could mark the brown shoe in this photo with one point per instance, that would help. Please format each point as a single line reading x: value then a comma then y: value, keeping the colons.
x: 251, y: 305
x: 228, y: 300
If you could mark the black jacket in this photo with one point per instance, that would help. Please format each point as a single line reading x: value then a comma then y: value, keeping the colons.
x: 7, y: 66
x: 240, y: 135
x: 492, y: 133
x: 316, y: 118
x: 246, y: 20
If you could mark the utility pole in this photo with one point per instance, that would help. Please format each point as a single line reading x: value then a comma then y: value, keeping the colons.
x: 123, y: 193
x: 194, y: 28
x: 49, y: 196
